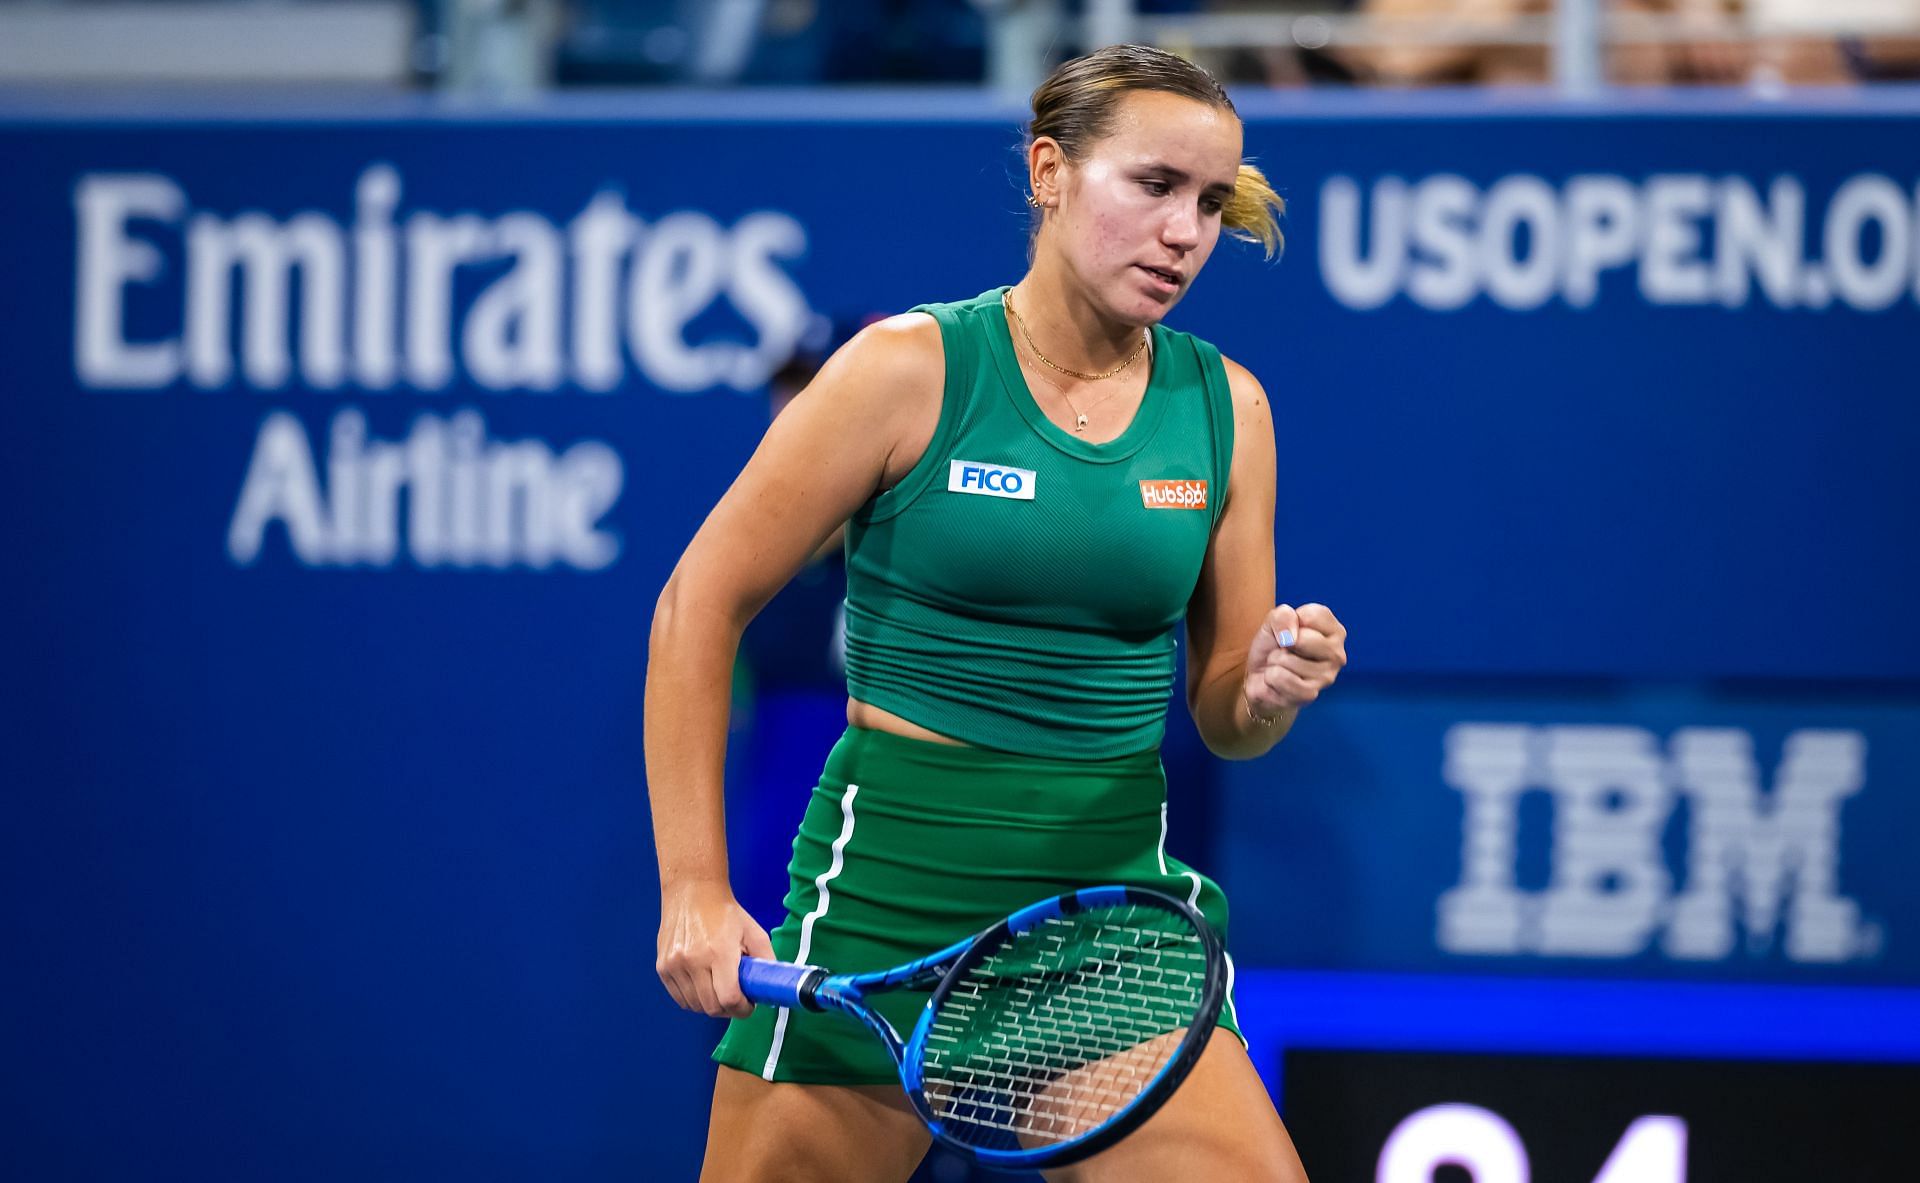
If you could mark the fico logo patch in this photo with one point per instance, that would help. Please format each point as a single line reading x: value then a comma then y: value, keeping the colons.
x: 990, y: 480
x: 1173, y: 494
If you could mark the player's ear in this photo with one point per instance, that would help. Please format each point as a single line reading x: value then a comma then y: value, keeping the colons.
x: 1046, y: 162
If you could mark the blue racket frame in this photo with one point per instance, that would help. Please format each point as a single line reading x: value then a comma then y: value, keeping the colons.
x: 779, y: 983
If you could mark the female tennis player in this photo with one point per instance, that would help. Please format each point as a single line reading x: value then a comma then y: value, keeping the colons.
x: 1038, y: 484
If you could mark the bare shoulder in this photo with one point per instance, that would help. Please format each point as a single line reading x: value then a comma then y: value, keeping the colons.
x: 899, y: 356
x: 1250, y: 403
x: 888, y: 382
x: 908, y: 332
x: 1254, y: 449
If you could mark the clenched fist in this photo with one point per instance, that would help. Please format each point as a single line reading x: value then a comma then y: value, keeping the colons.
x: 703, y: 934
x: 1297, y: 653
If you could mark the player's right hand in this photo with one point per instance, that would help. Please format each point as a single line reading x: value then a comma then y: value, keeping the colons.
x: 703, y: 934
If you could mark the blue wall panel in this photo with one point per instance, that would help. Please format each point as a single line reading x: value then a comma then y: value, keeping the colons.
x: 1690, y: 833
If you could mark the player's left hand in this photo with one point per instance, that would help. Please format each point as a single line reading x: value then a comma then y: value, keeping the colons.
x: 1297, y: 653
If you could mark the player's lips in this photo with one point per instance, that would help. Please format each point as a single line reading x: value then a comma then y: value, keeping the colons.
x: 1164, y: 278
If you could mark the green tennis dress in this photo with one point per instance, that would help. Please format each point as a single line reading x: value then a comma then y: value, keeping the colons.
x: 1019, y: 590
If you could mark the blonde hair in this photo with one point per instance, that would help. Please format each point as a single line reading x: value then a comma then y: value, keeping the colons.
x: 1075, y: 107
x: 1254, y: 211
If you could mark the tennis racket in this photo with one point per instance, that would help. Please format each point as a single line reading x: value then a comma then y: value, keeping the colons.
x: 1049, y: 1036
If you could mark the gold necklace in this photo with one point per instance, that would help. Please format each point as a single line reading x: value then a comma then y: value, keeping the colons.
x: 1080, y: 416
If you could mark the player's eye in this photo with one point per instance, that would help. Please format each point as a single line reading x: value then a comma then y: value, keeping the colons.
x: 1156, y: 187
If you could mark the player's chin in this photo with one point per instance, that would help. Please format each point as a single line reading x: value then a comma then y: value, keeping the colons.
x: 1146, y: 303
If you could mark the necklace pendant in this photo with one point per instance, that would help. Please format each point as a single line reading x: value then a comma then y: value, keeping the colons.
x: 1081, y: 425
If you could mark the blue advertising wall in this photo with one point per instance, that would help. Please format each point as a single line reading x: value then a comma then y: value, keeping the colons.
x: 1651, y: 831
x: 348, y: 450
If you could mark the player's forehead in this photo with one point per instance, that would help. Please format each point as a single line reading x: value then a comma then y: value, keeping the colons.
x: 1156, y: 128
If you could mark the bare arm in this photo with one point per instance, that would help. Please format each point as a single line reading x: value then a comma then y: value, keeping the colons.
x: 860, y: 424
x: 1252, y: 664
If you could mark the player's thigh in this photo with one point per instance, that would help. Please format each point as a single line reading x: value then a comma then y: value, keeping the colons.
x: 802, y: 1133
x: 1220, y: 1124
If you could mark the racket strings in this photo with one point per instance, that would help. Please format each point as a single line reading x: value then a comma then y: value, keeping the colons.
x: 1058, y: 1030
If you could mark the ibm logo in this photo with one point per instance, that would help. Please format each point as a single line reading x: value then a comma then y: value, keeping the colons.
x: 1753, y: 861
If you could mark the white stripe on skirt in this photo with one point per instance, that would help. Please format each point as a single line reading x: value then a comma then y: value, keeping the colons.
x: 806, y: 925
x: 1194, y: 901
x: 1193, y: 898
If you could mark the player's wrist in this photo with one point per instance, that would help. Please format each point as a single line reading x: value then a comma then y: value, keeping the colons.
x: 1264, y: 722
x: 704, y: 881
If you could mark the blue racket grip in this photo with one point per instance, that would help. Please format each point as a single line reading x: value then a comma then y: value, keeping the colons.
x: 779, y: 983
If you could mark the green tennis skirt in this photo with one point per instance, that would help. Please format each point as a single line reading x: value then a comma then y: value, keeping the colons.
x: 908, y: 846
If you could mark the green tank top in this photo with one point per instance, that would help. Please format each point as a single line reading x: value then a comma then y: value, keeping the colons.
x: 1020, y: 588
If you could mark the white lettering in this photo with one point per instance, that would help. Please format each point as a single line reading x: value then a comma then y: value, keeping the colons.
x: 455, y: 498
x: 765, y: 294
x: 110, y: 259
x: 1865, y: 200
x: 376, y: 264
x: 1671, y: 270
x: 1515, y: 281
x: 436, y: 246
x: 280, y: 487
x: 512, y: 336
x: 1751, y: 241
x: 1610, y: 802
x: 600, y: 238
x: 386, y: 299
x: 1358, y: 282
x: 265, y: 254
x: 1603, y: 229
x: 1611, y: 891
x: 1742, y: 848
x: 1491, y: 765
x: 681, y: 267
x: 1442, y: 274
x: 1691, y: 238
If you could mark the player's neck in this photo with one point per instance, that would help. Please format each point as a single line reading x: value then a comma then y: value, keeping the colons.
x: 1066, y: 325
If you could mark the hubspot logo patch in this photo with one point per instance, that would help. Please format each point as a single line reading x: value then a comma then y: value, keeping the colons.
x: 1173, y: 494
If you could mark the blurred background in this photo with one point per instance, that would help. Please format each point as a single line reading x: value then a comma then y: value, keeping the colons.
x: 369, y: 363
